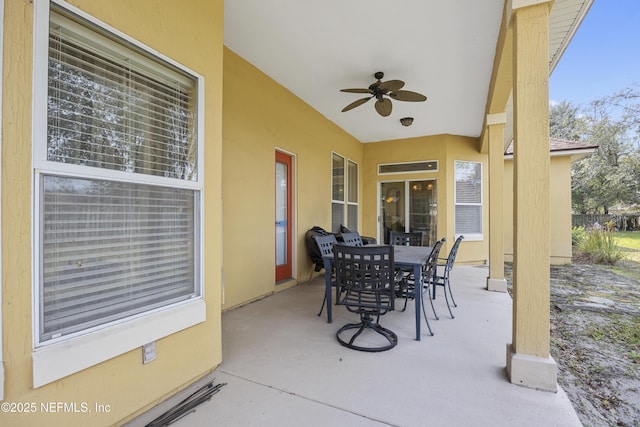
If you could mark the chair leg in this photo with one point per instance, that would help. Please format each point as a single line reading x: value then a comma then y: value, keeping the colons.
x: 324, y: 301
x: 447, y: 300
x: 449, y: 288
x: 424, y: 313
x: 367, y: 323
x: 357, y: 334
x: 430, y: 300
x: 406, y: 291
x: 406, y: 298
x: 434, y: 309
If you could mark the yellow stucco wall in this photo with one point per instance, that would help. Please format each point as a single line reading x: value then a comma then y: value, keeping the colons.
x: 191, y: 35
x: 445, y: 149
x: 261, y: 116
x: 560, y: 210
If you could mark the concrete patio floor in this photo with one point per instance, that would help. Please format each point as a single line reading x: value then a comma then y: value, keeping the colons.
x: 283, y: 367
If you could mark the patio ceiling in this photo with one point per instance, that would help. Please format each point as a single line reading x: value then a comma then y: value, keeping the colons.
x: 444, y: 50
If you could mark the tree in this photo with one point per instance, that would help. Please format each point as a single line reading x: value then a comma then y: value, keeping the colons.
x: 565, y: 122
x: 628, y: 101
x: 611, y: 174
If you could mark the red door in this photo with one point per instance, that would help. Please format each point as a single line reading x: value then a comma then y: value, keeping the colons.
x: 283, y: 216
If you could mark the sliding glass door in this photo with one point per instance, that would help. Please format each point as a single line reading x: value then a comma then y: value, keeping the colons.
x: 409, y: 206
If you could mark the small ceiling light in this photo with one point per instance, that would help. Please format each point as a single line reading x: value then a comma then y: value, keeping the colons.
x: 406, y: 121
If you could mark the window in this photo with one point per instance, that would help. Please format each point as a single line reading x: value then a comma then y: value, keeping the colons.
x: 344, y: 199
x: 337, y: 192
x: 468, y: 199
x: 118, y: 189
x: 408, y: 167
x: 352, y: 205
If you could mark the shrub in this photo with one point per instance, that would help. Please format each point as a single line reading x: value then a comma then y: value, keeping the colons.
x: 577, y: 236
x: 600, y: 246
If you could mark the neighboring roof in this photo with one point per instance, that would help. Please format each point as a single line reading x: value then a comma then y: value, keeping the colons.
x: 562, y: 147
x: 556, y: 144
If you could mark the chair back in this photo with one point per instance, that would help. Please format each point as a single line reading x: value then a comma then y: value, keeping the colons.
x: 431, y: 265
x: 413, y: 238
x: 351, y: 239
x: 452, y: 253
x: 365, y: 276
x: 325, y: 244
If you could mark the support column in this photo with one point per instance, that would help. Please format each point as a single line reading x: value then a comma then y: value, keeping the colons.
x: 495, y: 134
x: 528, y: 360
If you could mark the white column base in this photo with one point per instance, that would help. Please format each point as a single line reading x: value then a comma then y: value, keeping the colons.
x: 531, y: 371
x: 496, y: 285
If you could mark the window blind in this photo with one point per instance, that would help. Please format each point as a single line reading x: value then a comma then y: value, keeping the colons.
x: 468, y: 219
x: 353, y: 181
x: 468, y: 197
x: 116, y: 109
x: 337, y: 178
x: 112, y: 250
x: 352, y: 196
x: 337, y: 216
x: 352, y: 217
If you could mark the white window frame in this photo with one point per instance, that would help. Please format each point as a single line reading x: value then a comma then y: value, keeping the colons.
x: 469, y: 236
x: 57, y: 358
x: 345, y: 202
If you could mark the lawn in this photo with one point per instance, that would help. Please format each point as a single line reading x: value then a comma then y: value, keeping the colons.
x: 629, y: 242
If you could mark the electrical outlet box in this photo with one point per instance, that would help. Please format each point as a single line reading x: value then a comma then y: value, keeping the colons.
x: 149, y: 352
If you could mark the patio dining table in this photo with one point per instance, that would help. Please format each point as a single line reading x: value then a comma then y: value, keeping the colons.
x: 405, y: 257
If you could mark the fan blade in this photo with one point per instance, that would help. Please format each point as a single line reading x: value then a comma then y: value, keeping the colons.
x: 355, y: 90
x: 383, y: 107
x: 407, y: 95
x: 391, y: 85
x: 357, y: 103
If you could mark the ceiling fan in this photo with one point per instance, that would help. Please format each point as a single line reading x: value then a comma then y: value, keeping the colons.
x: 380, y: 89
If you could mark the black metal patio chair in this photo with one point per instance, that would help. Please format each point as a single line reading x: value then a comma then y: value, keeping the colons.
x: 428, y: 272
x: 325, y: 245
x: 413, y: 238
x: 402, y: 238
x: 351, y: 239
x: 365, y: 277
x: 441, y: 276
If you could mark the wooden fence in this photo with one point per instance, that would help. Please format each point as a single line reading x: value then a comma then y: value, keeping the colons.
x: 621, y: 222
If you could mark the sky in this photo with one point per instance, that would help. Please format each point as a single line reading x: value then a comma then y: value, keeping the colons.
x: 603, y: 57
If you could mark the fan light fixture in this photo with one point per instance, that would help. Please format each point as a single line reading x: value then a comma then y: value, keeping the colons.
x: 406, y: 121
x: 383, y: 92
